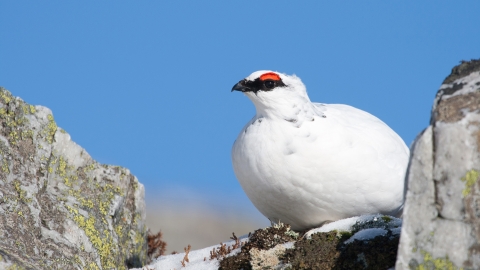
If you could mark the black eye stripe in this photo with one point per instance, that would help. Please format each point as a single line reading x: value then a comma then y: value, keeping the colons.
x: 266, y: 85
x: 269, y: 84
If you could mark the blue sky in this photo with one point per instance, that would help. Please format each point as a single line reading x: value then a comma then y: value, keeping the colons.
x: 146, y: 84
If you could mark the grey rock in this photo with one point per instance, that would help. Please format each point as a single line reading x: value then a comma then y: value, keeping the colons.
x: 441, y: 227
x: 59, y: 208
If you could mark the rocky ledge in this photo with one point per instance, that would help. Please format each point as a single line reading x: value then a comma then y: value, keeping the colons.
x: 59, y: 208
x: 442, y: 213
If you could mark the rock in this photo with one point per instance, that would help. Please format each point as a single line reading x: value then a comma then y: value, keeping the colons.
x: 441, y: 228
x: 366, y: 242
x: 59, y: 208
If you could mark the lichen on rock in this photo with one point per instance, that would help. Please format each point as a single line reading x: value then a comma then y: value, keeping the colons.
x: 441, y: 228
x: 60, y: 209
x: 368, y: 242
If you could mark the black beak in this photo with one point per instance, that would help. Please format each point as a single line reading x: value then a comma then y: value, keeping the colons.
x: 240, y: 86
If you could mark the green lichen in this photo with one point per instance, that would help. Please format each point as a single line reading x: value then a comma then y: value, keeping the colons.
x: 470, y: 179
x: 438, y: 264
x: 386, y: 218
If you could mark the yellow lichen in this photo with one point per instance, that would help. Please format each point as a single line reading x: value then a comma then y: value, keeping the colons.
x: 26, y: 134
x: 103, y: 243
x: 62, y: 165
x: 118, y: 230
x: 87, y: 203
x: 13, y: 137
x: 15, y: 267
x: 88, y: 168
x: 92, y: 266
x: 26, y: 109
x: 438, y: 263
x: 95, y: 224
x: 470, y: 179
x: 6, y: 96
x: 5, y: 166
x: 19, y: 190
x: 50, y: 129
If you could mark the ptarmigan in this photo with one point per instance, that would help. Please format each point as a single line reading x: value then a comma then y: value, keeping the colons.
x: 305, y: 163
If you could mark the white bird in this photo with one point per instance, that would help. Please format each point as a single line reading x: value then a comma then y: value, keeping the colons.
x: 305, y: 163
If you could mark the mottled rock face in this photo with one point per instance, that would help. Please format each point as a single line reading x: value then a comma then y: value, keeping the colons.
x: 442, y: 212
x: 370, y: 243
x: 59, y: 208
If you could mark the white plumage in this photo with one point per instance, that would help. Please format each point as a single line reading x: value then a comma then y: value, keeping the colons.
x: 305, y: 163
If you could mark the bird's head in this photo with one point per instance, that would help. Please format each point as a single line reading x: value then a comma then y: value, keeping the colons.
x: 270, y: 90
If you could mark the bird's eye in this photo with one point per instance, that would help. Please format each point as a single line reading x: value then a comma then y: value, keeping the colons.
x: 269, y: 84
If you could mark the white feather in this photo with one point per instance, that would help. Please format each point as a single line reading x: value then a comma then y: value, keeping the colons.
x: 305, y: 163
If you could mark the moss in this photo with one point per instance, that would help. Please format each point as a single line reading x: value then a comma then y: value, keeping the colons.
x: 328, y: 250
x: 470, y: 178
x: 319, y: 252
x: 344, y: 235
x: 386, y: 218
x: 262, y: 239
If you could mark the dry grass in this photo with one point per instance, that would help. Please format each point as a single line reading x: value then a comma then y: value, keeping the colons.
x: 185, y: 258
x: 222, y: 251
x: 156, y: 246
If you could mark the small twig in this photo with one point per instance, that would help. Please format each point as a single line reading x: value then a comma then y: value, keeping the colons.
x: 223, y: 250
x: 185, y: 258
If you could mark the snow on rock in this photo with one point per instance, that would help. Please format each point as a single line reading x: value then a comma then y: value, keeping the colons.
x: 197, y: 259
x: 273, y: 248
x: 380, y: 224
